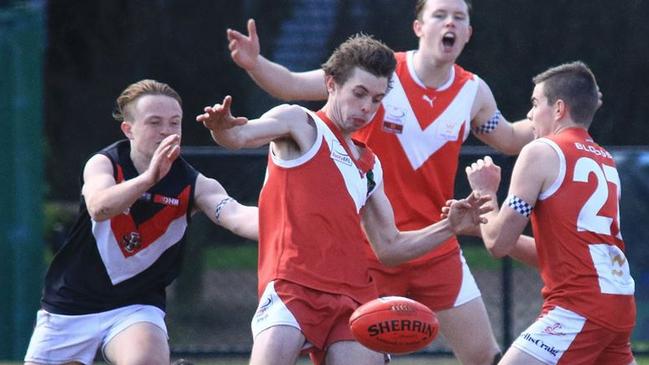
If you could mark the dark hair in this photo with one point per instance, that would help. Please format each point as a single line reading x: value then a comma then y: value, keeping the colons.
x: 360, y: 50
x: 575, y: 84
x: 419, y: 7
x: 138, y: 89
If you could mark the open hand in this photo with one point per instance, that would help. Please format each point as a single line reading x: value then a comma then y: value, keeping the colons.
x: 219, y: 117
x: 466, y: 214
x: 244, y: 50
x: 163, y: 157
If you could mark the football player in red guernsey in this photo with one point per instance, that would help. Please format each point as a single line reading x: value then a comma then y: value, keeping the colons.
x: 569, y: 186
x: 418, y: 133
x: 323, y: 194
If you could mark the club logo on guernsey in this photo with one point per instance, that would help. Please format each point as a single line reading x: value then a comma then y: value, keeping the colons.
x: 393, y: 121
x: 131, y: 242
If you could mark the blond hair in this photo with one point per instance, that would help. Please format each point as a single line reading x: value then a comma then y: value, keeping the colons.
x: 138, y: 89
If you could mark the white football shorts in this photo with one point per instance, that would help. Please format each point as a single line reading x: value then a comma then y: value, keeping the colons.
x: 59, y: 338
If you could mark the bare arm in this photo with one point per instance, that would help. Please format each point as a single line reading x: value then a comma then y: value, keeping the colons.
x: 525, y: 251
x: 508, y: 138
x: 273, y: 78
x: 281, y: 123
x: 393, y: 247
x: 212, y: 199
x: 106, y: 199
x: 536, y: 166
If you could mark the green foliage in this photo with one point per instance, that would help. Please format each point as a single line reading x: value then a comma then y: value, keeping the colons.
x: 230, y: 257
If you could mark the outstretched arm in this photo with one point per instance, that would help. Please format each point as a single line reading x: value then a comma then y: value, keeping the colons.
x: 105, y: 198
x: 273, y: 78
x: 393, y: 247
x: 289, y: 127
x: 212, y: 199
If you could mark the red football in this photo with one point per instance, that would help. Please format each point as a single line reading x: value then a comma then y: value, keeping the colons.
x: 395, y: 325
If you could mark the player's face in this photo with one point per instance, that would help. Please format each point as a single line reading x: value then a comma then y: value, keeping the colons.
x: 154, y: 118
x: 541, y: 114
x: 354, y: 103
x: 443, y: 29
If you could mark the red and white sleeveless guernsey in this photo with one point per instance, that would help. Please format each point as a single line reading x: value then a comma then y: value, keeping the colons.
x: 418, y: 135
x: 309, y: 216
x: 576, y: 224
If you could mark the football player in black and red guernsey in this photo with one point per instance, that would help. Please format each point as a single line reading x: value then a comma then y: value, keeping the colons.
x: 106, y: 286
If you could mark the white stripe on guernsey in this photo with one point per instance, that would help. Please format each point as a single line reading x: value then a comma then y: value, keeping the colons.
x: 418, y: 144
x: 120, y: 268
x: 355, y: 185
x: 562, y: 169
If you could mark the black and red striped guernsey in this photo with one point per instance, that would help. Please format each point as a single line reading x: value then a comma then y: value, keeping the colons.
x: 130, y: 258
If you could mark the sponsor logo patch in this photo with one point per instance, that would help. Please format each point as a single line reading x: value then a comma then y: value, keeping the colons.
x: 339, y: 154
x: 539, y: 343
x: 393, y: 121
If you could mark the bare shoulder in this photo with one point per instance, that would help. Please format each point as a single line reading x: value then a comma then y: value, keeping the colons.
x: 97, y: 164
x: 538, y: 158
x: 297, y: 121
x: 484, y: 105
x: 206, y: 184
x: 538, y: 149
x: 97, y: 174
x: 287, y: 112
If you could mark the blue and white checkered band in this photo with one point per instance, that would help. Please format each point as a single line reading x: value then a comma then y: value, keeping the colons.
x: 490, y: 125
x: 519, y: 205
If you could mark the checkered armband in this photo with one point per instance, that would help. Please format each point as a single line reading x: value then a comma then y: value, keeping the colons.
x: 219, y: 207
x: 490, y: 125
x: 519, y: 205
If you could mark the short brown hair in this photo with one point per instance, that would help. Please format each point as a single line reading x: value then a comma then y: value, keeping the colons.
x: 138, y: 89
x: 360, y: 50
x: 419, y: 7
x: 575, y: 84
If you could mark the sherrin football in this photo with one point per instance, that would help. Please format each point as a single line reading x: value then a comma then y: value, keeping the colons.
x: 395, y: 325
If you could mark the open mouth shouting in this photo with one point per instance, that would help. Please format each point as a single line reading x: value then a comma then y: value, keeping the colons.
x: 448, y: 41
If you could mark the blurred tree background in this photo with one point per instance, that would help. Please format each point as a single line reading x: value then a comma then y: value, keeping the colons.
x: 95, y: 48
